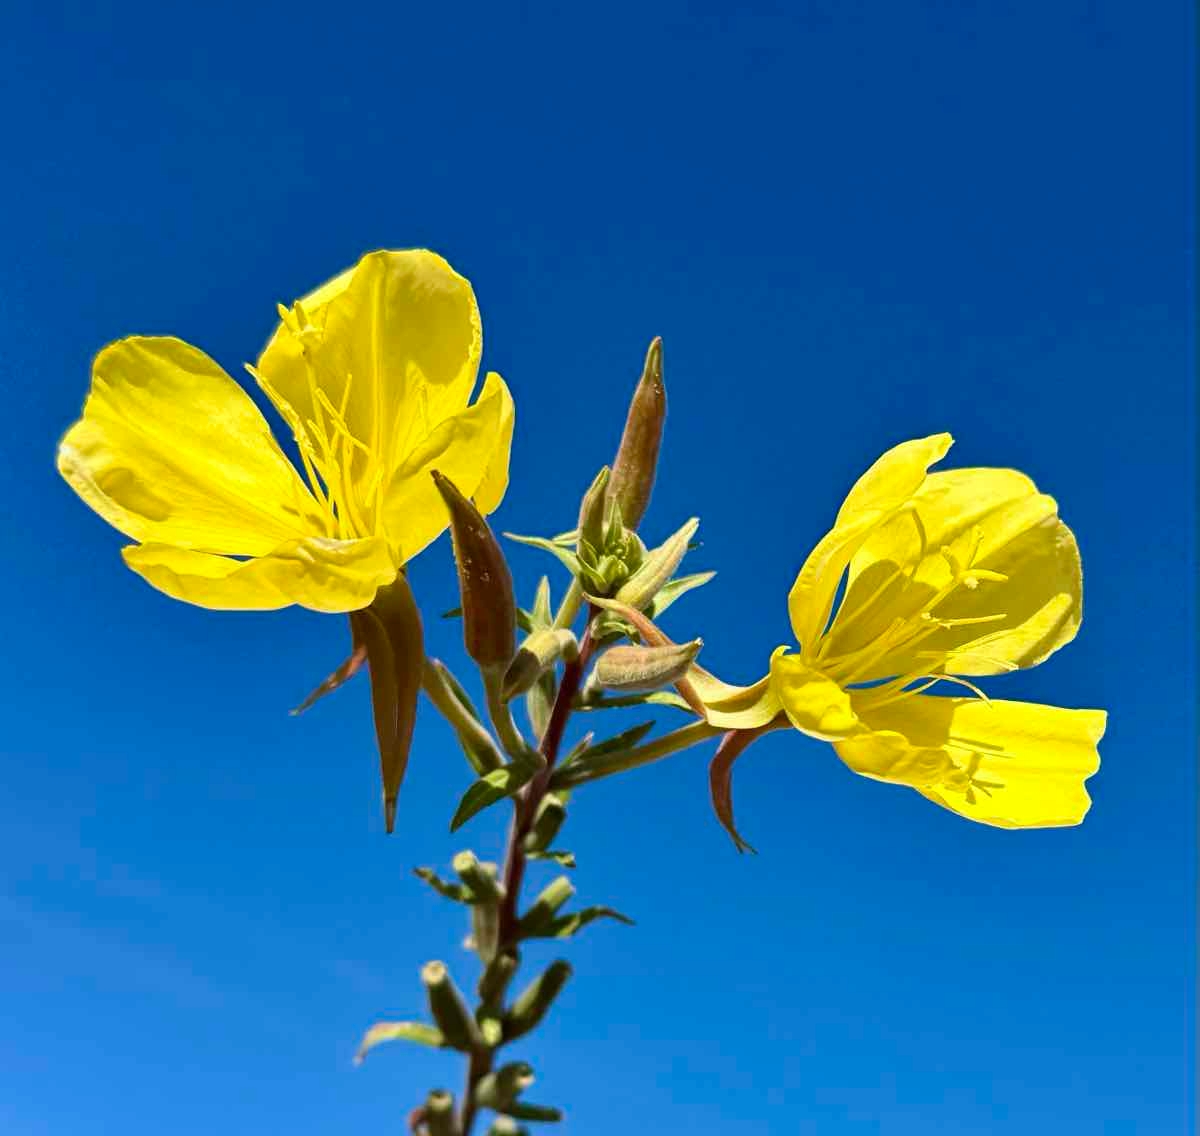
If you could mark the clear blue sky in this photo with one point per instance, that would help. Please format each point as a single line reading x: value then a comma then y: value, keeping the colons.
x: 852, y: 224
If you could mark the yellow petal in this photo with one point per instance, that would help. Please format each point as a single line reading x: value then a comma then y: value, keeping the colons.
x: 171, y: 449
x: 317, y: 573
x: 1009, y: 764
x: 402, y: 329
x: 471, y: 449
x: 885, y: 488
x: 998, y: 519
x: 812, y: 702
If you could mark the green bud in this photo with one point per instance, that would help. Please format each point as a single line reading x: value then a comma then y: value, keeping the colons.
x: 485, y: 929
x: 636, y: 668
x: 492, y: 1030
x: 506, y: 1126
x: 472, y: 735
x: 535, y: 1000
x: 637, y: 458
x: 489, y: 611
x: 543, y: 909
x: 541, y: 651
x: 500, y: 1088
x: 543, y: 1112
x: 449, y: 1010
x: 478, y: 876
x: 591, y: 511
x: 438, y: 1114
x: 494, y: 981
x: 550, y: 816
x: 659, y: 566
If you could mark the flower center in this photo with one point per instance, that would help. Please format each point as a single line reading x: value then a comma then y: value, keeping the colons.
x: 344, y: 472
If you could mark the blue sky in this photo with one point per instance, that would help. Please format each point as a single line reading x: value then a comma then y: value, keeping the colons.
x: 852, y: 224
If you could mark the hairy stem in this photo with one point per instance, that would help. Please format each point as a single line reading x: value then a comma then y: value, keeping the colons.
x: 525, y: 809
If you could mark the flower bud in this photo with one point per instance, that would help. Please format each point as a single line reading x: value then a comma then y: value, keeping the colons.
x: 480, y: 878
x: 657, y: 568
x: 541, y: 651
x: 635, y: 668
x: 543, y: 909
x: 535, y: 1000
x: 633, y: 469
x: 488, y: 609
x: 437, y: 1115
x: 500, y: 1088
x: 550, y: 816
x: 494, y: 981
x: 449, y: 1010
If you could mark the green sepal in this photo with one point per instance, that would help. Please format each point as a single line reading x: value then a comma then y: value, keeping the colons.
x: 419, y: 1032
x: 493, y: 787
x: 644, y: 585
x: 637, y: 669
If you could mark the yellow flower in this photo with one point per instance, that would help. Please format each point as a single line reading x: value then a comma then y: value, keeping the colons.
x: 373, y: 373
x: 942, y: 577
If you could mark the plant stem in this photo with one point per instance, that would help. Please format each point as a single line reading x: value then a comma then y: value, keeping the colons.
x: 525, y: 809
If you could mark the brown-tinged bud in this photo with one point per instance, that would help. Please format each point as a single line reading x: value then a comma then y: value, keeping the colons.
x: 541, y: 651
x: 389, y: 631
x: 635, y: 668
x: 449, y: 1010
x: 633, y: 470
x: 489, y: 611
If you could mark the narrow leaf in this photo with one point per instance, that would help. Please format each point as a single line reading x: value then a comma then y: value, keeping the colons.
x: 564, y: 555
x: 493, y: 787
x: 567, y: 925
x: 562, y: 859
x: 673, y: 589
x: 519, y: 1110
x: 623, y: 740
x: 419, y: 1032
x: 456, y: 892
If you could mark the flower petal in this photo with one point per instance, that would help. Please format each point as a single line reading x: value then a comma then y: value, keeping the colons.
x: 998, y: 519
x: 813, y: 703
x: 885, y: 488
x: 1009, y: 764
x: 402, y: 329
x: 171, y: 449
x: 470, y: 448
x: 316, y: 573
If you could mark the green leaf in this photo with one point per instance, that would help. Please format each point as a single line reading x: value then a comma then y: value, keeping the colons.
x: 646, y: 698
x: 624, y: 740
x: 519, y: 1110
x: 673, y: 589
x: 562, y: 859
x: 564, y: 554
x: 456, y: 892
x: 419, y: 1032
x: 542, y: 612
x: 493, y: 787
x: 539, y: 701
x: 567, y: 925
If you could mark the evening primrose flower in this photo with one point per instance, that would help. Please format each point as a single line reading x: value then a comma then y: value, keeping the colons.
x: 373, y: 374
x: 942, y: 577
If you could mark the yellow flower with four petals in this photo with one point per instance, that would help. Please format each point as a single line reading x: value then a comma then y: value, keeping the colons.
x: 928, y: 578
x: 373, y: 372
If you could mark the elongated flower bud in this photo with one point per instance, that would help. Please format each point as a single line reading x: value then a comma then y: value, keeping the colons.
x: 479, y: 877
x: 489, y: 611
x: 658, y: 567
x: 535, y: 1000
x: 494, y: 980
x: 633, y: 668
x: 543, y: 909
x: 448, y: 1008
x: 499, y: 1089
x: 637, y: 459
x: 550, y: 816
x: 538, y: 654
x: 438, y: 1114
